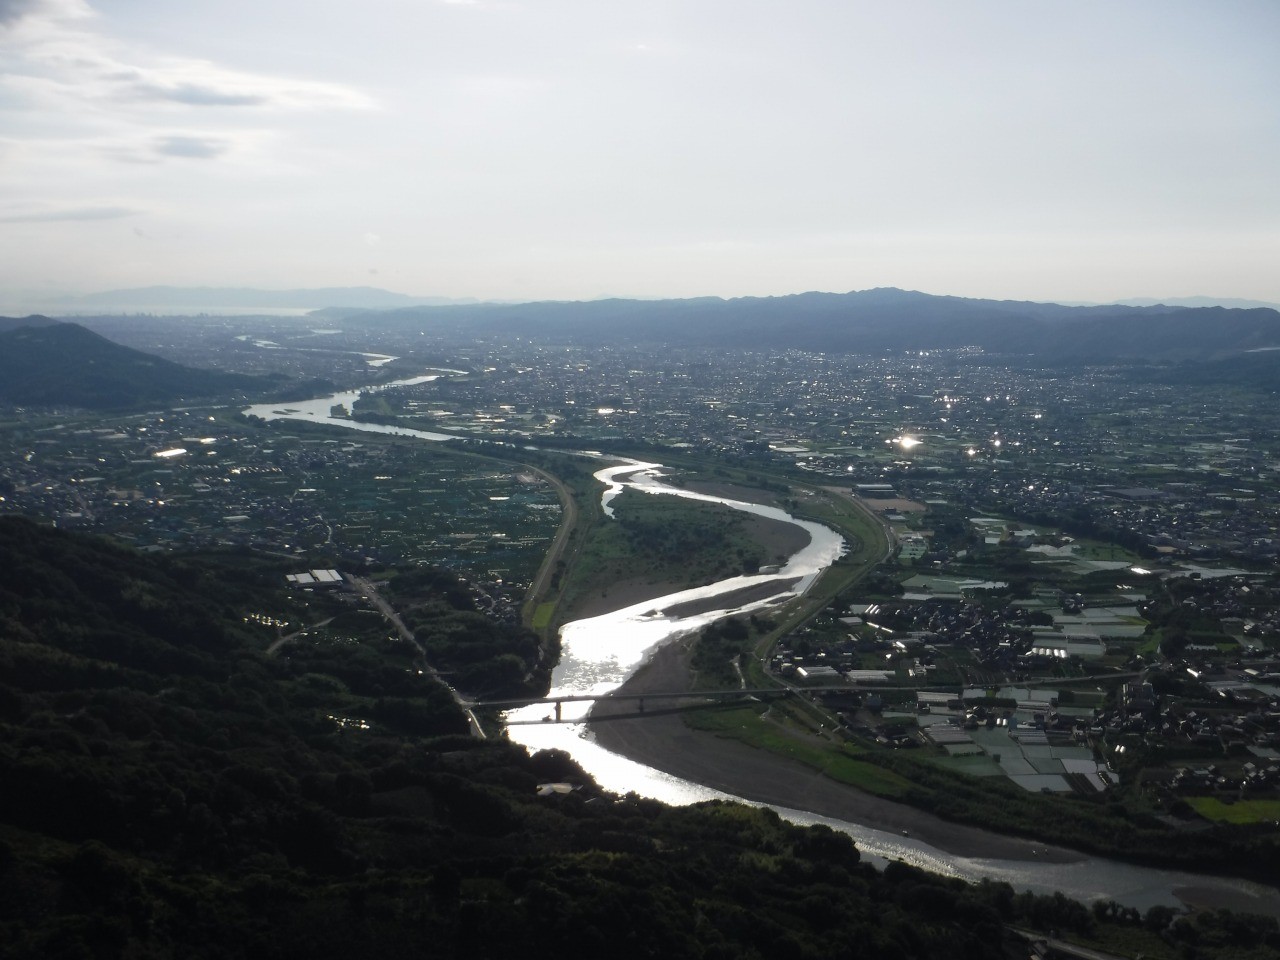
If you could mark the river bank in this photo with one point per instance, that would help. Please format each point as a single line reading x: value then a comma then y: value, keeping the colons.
x: 776, y: 540
x: 598, y: 654
x: 664, y: 742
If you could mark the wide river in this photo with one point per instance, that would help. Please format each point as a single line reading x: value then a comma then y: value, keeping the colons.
x: 598, y: 654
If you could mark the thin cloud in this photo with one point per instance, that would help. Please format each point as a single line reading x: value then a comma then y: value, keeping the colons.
x: 196, y: 95
x: 198, y: 148
x: 164, y: 146
x: 14, y: 11
x: 73, y: 213
x: 65, y: 65
x: 11, y: 11
x: 73, y: 97
x: 198, y: 83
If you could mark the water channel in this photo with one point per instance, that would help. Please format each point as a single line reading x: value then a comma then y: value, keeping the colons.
x: 598, y: 654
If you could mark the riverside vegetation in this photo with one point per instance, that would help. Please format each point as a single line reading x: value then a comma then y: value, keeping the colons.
x: 1127, y: 822
x: 169, y: 788
x: 674, y: 542
x: 1195, y: 455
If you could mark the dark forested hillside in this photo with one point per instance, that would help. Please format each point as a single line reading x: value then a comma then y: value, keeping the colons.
x: 168, y: 788
x: 14, y: 323
x: 63, y: 364
x: 870, y: 321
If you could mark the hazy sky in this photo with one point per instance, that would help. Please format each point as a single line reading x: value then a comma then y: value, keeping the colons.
x: 572, y: 148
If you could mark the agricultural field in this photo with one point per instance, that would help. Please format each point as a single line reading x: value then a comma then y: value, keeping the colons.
x: 202, y: 478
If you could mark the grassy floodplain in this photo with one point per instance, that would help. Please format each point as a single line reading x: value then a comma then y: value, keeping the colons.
x: 1241, y: 811
x: 657, y: 544
x: 868, y: 545
x: 782, y: 735
x: 320, y: 487
x: 661, y: 544
x: 799, y: 729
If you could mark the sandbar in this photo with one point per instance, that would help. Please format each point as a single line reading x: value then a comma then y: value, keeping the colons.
x: 664, y: 742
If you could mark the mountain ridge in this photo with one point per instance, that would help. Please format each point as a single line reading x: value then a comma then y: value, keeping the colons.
x: 1234, y: 303
x: 65, y: 364
x: 206, y: 298
x: 882, y: 319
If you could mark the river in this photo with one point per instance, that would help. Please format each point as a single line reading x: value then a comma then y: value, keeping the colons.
x: 598, y: 654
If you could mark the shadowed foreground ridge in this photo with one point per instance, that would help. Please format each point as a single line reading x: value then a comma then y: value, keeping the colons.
x: 167, y: 789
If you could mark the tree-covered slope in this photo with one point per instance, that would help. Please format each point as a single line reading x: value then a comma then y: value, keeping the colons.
x: 15, y: 323
x: 63, y: 364
x: 170, y: 789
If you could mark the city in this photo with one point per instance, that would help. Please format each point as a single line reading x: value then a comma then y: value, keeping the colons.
x: 1039, y: 531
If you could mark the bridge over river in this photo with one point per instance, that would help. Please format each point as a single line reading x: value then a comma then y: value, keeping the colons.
x: 758, y: 693
x: 640, y: 698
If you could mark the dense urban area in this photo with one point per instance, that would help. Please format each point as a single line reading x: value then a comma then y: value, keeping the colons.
x: 1082, y: 596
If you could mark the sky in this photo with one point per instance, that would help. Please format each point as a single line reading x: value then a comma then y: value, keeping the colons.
x: 570, y: 149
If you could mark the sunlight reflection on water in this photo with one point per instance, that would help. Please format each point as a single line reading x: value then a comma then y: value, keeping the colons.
x: 599, y: 653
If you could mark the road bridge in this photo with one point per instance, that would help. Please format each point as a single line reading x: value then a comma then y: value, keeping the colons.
x: 639, y: 698
x: 759, y: 693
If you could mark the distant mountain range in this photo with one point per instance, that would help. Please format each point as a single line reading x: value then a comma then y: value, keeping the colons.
x: 871, y: 321
x: 1234, y: 303
x: 343, y: 301
x: 184, y: 300
x: 46, y: 363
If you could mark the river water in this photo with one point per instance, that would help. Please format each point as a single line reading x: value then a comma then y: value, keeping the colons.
x: 598, y: 654
x: 318, y: 410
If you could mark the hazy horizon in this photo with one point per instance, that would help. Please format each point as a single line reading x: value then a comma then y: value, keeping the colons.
x: 203, y: 300
x: 568, y: 150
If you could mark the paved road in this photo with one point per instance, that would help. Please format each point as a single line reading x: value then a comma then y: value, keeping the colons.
x: 367, y: 590
x: 568, y: 521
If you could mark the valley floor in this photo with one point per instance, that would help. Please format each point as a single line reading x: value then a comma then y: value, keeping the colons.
x: 665, y: 742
